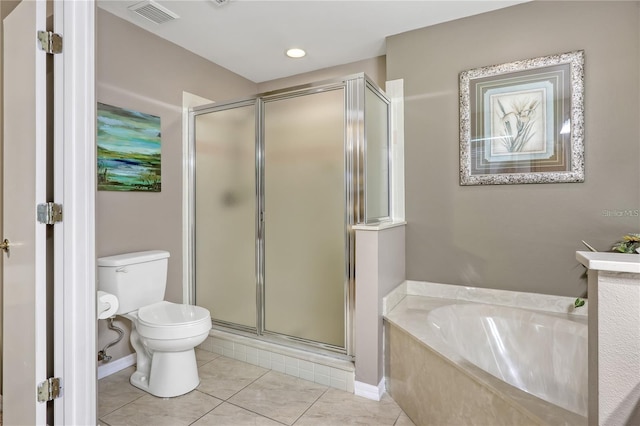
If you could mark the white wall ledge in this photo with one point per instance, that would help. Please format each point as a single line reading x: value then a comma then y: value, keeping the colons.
x: 612, y: 262
x: 378, y: 226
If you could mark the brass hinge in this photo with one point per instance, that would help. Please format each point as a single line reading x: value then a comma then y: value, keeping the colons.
x: 50, y: 42
x: 49, y: 213
x: 49, y: 389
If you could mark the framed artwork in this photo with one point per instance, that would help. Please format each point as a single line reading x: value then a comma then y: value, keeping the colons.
x: 523, y: 121
x: 129, y: 151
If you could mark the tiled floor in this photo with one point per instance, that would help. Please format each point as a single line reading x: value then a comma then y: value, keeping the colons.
x: 235, y: 393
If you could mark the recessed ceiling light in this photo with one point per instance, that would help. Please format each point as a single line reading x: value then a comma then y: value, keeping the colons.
x: 296, y: 53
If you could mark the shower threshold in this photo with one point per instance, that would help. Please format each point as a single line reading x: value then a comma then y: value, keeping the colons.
x: 328, y: 369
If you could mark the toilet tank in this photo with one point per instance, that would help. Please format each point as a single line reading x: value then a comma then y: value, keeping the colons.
x: 136, y: 279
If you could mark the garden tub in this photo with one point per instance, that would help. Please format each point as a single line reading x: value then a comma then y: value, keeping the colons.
x: 456, y: 362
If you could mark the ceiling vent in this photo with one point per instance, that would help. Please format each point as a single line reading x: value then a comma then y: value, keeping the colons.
x: 153, y: 12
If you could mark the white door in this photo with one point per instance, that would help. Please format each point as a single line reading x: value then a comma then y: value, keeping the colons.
x: 25, y: 281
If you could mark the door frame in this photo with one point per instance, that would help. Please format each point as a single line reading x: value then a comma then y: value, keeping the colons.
x: 75, y: 360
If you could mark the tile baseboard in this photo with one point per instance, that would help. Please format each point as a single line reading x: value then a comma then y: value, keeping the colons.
x: 324, y: 370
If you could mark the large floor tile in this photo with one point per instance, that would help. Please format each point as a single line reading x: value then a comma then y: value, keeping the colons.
x: 279, y: 397
x: 255, y: 396
x: 115, y: 391
x: 229, y: 415
x: 404, y: 420
x: 150, y: 410
x: 203, y: 357
x: 337, y: 407
x: 223, y: 377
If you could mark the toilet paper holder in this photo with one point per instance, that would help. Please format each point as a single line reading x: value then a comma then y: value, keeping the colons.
x: 106, y: 305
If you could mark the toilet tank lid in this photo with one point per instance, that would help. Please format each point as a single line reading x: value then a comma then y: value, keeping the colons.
x: 131, y: 258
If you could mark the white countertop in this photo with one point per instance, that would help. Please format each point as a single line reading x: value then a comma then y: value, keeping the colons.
x: 613, y: 262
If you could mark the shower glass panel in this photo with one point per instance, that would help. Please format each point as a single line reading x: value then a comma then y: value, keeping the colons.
x: 376, y: 113
x: 304, y: 217
x: 225, y: 214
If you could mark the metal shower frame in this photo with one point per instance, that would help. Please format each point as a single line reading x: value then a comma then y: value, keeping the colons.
x: 354, y: 88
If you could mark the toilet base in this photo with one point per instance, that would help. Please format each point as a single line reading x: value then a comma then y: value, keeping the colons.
x: 171, y: 374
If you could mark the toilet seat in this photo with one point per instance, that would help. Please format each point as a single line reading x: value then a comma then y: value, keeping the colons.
x: 168, y: 321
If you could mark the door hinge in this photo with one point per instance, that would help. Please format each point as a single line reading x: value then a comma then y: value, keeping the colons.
x: 49, y: 213
x: 49, y: 389
x: 50, y: 42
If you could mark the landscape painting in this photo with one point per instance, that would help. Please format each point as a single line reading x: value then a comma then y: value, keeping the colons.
x: 129, y: 150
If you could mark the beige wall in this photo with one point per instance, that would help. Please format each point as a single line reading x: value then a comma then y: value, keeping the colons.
x: 375, y: 68
x: 518, y: 237
x: 139, y: 71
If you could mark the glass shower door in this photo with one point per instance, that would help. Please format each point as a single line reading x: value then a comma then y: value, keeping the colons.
x: 225, y: 214
x: 276, y: 184
x: 304, y: 217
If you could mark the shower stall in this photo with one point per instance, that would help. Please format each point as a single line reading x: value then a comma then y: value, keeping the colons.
x: 276, y: 183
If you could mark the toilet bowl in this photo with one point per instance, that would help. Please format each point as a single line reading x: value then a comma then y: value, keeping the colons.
x: 163, y: 334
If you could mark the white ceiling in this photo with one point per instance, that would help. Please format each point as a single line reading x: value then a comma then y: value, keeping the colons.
x: 249, y: 37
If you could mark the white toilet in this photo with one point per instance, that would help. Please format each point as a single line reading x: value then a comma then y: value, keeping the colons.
x: 163, y: 334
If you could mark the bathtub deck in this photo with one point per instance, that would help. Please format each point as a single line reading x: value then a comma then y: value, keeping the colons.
x: 439, y: 387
